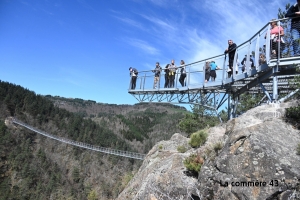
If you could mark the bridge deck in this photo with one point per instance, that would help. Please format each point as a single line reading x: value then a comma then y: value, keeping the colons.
x: 285, y: 73
x: 83, y: 145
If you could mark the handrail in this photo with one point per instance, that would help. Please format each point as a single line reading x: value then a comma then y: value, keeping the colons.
x: 195, y: 71
x: 116, y: 152
x: 251, y: 38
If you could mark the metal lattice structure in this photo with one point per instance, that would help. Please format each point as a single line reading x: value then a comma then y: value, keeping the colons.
x: 81, y: 144
x: 274, y: 68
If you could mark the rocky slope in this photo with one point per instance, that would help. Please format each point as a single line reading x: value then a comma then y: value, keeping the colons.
x: 258, y: 160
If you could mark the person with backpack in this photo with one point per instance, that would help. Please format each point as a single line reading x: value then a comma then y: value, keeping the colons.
x: 182, y: 73
x: 207, y: 71
x: 156, y: 72
x: 133, y: 74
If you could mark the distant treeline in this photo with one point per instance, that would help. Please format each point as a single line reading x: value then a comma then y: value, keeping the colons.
x: 22, y: 102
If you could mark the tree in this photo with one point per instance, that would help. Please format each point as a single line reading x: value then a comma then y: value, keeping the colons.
x: 200, y: 118
x: 248, y: 101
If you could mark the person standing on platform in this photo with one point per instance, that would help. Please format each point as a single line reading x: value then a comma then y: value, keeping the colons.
x: 213, y: 68
x: 172, y: 73
x: 167, y: 76
x: 182, y: 73
x: 231, y: 51
x: 133, y: 74
x: 207, y: 71
x: 156, y: 72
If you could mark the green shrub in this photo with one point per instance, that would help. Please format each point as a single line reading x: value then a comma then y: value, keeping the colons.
x: 160, y: 147
x: 298, y: 149
x: 193, y: 163
x: 181, y: 149
x: 293, y: 112
x: 193, y: 122
x: 198, y: 138
x: 217, y: 146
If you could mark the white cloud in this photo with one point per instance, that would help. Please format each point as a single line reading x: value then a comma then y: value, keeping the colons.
x: 196, y: 30
x: 143, y: 45
x: 237, y: 20
x: 130, y: 22
x: 165, y: 25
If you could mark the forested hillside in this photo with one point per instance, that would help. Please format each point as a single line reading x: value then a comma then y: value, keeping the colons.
x: 141, y: 125
x: 35, y: 167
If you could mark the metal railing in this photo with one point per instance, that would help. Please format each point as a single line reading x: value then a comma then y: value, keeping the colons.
x: 262, y: 48
x: 83, y: 145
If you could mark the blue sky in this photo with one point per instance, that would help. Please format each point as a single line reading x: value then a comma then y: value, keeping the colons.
x: 83, y: 48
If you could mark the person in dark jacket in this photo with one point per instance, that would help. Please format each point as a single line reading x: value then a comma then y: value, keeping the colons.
x: 294, y: 11
x: 182, y: 73
x: 156, y: 72
x: 167, y: 76
x: 231, y: 51
x: 133, y: 74
x: 207, y: 71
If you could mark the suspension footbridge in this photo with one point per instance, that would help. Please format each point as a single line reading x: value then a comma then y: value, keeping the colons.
x: 271, y: 75
x: 81, y: 144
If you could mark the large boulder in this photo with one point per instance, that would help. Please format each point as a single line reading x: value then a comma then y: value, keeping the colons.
x: 258, y: 160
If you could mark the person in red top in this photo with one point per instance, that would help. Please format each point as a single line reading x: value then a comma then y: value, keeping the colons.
x: 276, y: 35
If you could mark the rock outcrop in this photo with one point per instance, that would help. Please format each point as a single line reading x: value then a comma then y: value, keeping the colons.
x: 161, y: 175
x: 257, y: 160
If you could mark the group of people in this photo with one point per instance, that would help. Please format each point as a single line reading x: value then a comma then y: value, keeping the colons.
x: 277, y: 42
x: 277, y: 32
x: 276, y: 39
x: 170, y: 73
x: 210, y: 70
x: 277, y: 45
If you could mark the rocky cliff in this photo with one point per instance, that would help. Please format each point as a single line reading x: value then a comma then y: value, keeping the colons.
x: 257, y: 160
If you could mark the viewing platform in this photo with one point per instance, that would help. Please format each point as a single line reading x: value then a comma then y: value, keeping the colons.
x: 270, y: 74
